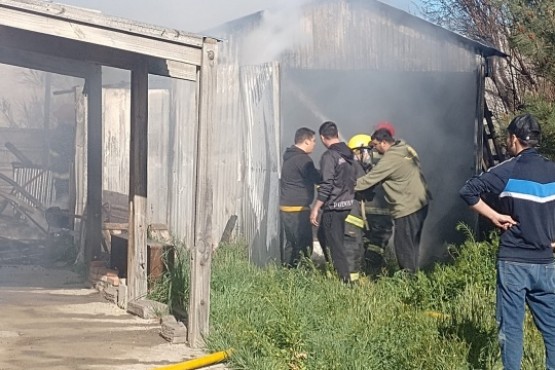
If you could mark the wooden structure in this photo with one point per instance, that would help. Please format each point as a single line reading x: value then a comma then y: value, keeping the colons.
x: 76, y: 42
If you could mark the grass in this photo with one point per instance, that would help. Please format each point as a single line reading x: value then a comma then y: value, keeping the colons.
x: 298, y: 319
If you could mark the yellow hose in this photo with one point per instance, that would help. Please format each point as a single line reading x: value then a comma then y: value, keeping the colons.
x: 200, y: 362
x: 436, y: 315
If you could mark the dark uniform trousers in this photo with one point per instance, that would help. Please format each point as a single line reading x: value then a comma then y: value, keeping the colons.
x: 296, y: 236
x: 406, y: 240
x: 376, y: 239
x: 331, y: 235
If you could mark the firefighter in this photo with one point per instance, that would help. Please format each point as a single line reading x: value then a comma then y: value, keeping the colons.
x: 354, y: 228
x: 377, y: 216
x: 335, y: 198
x: 406, y: 193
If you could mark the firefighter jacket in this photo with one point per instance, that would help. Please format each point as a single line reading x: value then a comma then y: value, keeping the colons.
x: 525, y: 187
x: 404, y: 184
x: 355, y: 220
x: 336, y: 189
x: 298, y: 179
x: 375, y: 203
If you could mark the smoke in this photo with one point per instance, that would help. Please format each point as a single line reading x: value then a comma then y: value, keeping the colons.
x: 186, y: 15
x: 279, y: 30
x: 193, y: 15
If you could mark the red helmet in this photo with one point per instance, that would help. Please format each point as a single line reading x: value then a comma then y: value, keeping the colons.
x: 386, y: 125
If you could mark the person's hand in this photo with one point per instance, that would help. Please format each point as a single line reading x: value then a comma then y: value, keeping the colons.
x: 314, y: 216
x: 503, y: 222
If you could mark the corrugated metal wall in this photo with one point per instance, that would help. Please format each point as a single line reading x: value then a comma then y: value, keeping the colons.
x: 365, y: 35
x: 357, y: 62
x: 116, y: 113
x: 351, y: 35
x: 261, y: 93
x: 182, y: 153
x: 245, y: 148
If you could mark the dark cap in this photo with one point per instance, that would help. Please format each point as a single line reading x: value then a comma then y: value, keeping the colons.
x: 525, y: 127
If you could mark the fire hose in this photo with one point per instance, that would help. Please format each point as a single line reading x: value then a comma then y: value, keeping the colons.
x: 197, y: 363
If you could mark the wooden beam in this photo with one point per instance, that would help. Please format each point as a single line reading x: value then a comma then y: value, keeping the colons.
x: 69, y: 57
x: 93, y: 92
x: 137, y: 252
x: 204, y: 238
x: 43, y: 62
x: 98, y: 19
x: 171, y: 68
x: 95, y: 35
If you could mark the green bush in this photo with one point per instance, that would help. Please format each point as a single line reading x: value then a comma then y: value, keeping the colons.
x: 296, y: 319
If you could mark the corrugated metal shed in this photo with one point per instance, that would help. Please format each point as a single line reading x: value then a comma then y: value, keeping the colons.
x: 357, y: 62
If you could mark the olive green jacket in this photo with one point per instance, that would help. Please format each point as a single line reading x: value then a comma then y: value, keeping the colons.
x: 404, y: 184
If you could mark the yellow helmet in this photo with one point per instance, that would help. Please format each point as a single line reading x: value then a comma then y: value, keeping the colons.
x: 360, y: 141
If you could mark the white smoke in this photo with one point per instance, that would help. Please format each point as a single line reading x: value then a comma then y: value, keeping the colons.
x: 280, y: 30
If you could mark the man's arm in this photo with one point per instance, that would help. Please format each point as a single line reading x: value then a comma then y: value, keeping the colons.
x: 310, y: 172
x: 493, y: 182
x: 327, y: 169
x: 382, y: 170
x: 500, y: 220
x: 314, y: 212
x: 325, y: 186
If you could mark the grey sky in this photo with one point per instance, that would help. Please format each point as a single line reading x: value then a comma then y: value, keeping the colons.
x: 194, y: 15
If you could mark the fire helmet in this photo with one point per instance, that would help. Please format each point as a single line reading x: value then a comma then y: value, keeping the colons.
x: 360, y: 141
x: 386, y: 125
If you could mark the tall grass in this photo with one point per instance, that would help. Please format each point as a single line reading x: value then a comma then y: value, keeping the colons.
x: 298, y: 319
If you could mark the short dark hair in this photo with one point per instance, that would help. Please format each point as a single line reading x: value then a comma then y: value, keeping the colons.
x: 527, y: 129
x: 383, y: 134
x: 303, y: 134
x: 329, y: 130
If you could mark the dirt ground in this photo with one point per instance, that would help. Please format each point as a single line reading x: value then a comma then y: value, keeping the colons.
x: 50, y: 320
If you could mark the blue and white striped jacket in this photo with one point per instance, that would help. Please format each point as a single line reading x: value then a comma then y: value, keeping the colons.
x: 525, y: 186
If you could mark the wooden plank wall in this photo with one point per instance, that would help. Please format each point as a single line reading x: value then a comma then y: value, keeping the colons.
x: 29, y: 141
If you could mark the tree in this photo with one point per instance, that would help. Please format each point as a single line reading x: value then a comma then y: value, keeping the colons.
x: 523, y: 29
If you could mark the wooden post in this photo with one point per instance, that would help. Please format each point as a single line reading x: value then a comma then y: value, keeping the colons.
x: 204, y: 240
x: 137, y: 248
x: 79, y: 201
x: 93, y: 91
x: 46, y: 118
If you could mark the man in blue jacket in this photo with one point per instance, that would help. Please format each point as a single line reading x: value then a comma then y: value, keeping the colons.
x: 525, y: 187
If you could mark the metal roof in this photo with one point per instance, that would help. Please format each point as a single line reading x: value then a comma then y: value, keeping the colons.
x: 396, y: 15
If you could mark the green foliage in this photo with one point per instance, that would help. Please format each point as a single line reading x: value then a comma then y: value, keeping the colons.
x: 173, y: 287
x: 532, y: 26
x: 544, y: 110
x: 299, y: 319
x: 277, y: 318
x: 525, y: 30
